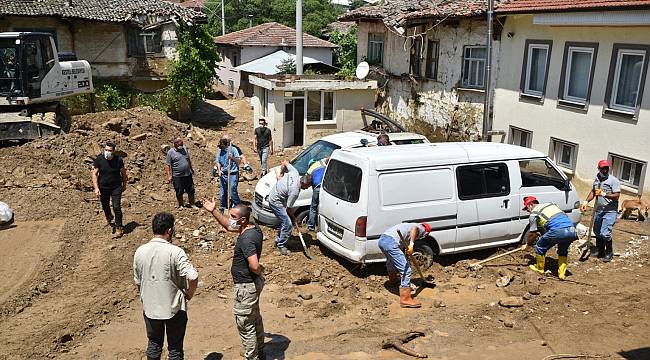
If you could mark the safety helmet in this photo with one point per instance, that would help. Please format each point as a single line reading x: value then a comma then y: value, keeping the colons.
x: 427, y: 227
x: 603, y: 163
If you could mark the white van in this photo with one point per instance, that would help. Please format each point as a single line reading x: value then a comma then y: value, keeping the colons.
x: 470, y: 193
x: 316, y: 151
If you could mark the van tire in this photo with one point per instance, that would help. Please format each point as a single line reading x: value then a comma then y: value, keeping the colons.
x: 523, y: 239
x: 424, y: 254
x: 302, y: 216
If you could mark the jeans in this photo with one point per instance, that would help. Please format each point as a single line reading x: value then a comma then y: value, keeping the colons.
x: 395, y: 259
x: 105, y: 196
x: 175, y: 328
x: 561, y: 237
x: 248, y: 317
x: 284, y: 231
x: 264, y: 156
x: 603, y: 223
x: 313, y: 208
x: 234, y: 197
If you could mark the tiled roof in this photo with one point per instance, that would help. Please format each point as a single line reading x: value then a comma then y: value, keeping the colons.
x: 337, y: 26
x: 530, y: 6
x: 401, y: 12
x: 99, y: 10
x: 193, y: 4
x: 270, y: 34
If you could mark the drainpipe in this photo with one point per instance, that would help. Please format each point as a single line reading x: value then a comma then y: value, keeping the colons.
x: 487, y: 123
x: 223, y: 19
x: 298, y: 37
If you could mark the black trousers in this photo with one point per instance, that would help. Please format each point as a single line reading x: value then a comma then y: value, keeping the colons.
x: 183, y: 184
x: 106, y: 195
x: 175, y: 328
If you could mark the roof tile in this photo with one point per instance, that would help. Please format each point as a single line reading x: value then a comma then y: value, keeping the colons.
x: 270, y: 34
x: 530, y: 6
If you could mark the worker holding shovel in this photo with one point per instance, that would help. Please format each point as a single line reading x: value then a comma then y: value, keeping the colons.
x: 555, y: 228
x: 399, y: 270
x: 606, y: 189
x: 227, y: 161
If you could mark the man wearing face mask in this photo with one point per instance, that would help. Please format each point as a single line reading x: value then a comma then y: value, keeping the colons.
x: 607, y: 189
x: 166, y: 281
x: 179, y: 172
x: 263, y: 144
x: 247, y: 275
x: 109, y: 180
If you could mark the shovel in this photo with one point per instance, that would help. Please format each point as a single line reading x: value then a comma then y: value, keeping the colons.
x: 426, y: 280
x: 586, y: 252
x: 302, y: 241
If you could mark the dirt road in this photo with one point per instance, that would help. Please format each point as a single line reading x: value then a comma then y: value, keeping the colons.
x: 89, y: 308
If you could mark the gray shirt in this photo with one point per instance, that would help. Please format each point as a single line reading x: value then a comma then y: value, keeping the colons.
x: 611, y: 185
x: 179, y: 160
x: 405, y: 229
x: 162, y: 270
x: 286, y: 190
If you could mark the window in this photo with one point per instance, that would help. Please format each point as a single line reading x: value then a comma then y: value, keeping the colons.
x: 343, y: 181
x: 480, y: 181
x: 9, y: 74
x: 375, y: 48
x: 474, y: 66
x: 628, y: 171
x: 577, y: 72
x: 320, y: 106
x: 564, y: 153
x: 143, y: 43
x: 535, y: 67
x: 415, y: 63
x: 520, y: 137
x: 626, y: 78
x: 432, y: 59
x: 235, y: 59
x: 316, y: 151
x: 50, y: 31
x: 540, y: 172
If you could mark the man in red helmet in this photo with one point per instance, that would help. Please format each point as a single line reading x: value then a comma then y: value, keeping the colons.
x: 399, y: 270
x: 549, y: 226
x: 607, y: 189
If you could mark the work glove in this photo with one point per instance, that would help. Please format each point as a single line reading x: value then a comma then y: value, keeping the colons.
x: 409, y: 249
x: 584, y: 207
x: 599, y: 192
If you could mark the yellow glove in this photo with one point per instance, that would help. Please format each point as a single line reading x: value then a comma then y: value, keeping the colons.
x: 409, y: 249
x: 598, y: 192
x: 584, y: 206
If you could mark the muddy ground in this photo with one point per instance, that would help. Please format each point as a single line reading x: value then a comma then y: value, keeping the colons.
x: 67, y: 290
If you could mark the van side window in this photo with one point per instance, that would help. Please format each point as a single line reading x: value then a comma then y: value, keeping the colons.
x: 481, y: 181
x: 343, y: 181
x: 540, y: 172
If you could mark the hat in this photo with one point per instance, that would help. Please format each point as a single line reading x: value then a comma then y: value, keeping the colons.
x: 427, y: 227
x: 527, y: 201
x: 603, y: 163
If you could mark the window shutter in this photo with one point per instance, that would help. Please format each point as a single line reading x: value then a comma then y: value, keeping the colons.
x: 132, y: 42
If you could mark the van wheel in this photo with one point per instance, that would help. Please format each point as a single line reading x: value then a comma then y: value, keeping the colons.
x: 523, y: 239
x: 302, y: 216
x: 423, y: 253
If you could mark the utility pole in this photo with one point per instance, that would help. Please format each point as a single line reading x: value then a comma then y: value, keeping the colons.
x: 487, y: 121
x: 223, y: 19
x: 298, y: 37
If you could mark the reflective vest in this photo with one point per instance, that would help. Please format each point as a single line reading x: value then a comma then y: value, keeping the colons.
x: 316, y: 165
x: 544, y: 213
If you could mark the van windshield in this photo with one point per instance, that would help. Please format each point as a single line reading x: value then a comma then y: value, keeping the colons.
x: 540, y: 172
x: 316, y: 151
x: 342, y: 181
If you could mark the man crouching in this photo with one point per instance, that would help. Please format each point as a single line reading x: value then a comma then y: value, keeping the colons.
x: 246, y: 275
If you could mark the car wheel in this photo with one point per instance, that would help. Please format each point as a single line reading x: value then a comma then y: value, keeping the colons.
x: 424, y: 254
x: 302, y: 216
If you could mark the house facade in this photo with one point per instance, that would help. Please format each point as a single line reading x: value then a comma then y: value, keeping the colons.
x: 573, y: 84
x: 430, y: 62
x: 301, y: 110
x: 241, y: 47
x: 122, y: 40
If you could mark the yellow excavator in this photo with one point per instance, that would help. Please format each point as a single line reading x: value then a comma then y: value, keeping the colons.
x: 34, y: 77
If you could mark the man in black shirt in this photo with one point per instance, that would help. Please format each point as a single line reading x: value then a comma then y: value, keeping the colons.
x: 109, y: 180
x: 247, y: 276
x: 263, y: 144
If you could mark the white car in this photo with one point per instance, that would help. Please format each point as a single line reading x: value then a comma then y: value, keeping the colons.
x: 317, y: 151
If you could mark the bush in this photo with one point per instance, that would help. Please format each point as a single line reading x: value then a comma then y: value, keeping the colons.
x: 110, y: 96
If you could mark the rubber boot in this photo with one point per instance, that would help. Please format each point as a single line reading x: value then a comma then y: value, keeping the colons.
x: 393, y: 278
x: 609, y: 252
x: 405, y: 299
x: 561, y: 267
x: 539, y: 267
x: 600, y: 244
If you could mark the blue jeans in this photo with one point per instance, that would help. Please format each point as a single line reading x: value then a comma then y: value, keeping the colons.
x: 284, y: 231
x: 395, y: 259
x: 603, y: 223
x: 313, y: 208
x: 264, y: 156
x: 561, y: 237
x: 234, y: 197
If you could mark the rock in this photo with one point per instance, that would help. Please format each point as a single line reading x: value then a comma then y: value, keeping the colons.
x: 511, y: 301
x: 368, y: 297
x: 42, y: 288
x: 303, y: 279
x: 289, y: 315
x: 527, y: 296
x: 440, y: 333
x: 509, y: 323
x: 531, y: 282
x: 437, y: 303
x: 165, y: 148
x: 19, y: 309
x: 196, y: 233
x: 112, y: 247
x: 305, y: 296
x: 156, y: 197
x: 140, y: 136
x: 64, y: 339
x: 114, y: 124
x: 63, y: 173
x: 480, y: 287
x: 317, y: 273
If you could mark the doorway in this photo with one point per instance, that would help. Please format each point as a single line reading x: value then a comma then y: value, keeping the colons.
x: 294, y: 120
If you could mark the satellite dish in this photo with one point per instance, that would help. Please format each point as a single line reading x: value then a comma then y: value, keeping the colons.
x: 362, y: 70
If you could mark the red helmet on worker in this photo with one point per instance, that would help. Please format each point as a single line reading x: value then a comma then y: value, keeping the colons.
x: 427, y: 227
x: 603, y: 163
x: 528, y: 200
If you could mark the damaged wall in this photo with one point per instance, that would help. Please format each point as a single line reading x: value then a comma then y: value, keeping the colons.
x: 439, y: 108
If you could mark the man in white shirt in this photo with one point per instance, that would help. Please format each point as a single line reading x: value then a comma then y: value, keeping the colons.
x: 167, y: 281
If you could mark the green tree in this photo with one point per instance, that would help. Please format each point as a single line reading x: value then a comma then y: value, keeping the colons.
x: 192, y: 73
x: 345, y: 57
x: 287, y: 66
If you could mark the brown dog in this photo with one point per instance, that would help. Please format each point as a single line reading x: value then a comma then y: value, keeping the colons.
x: 628, y: 206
